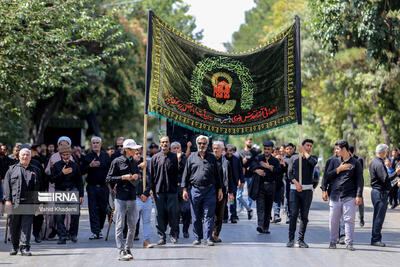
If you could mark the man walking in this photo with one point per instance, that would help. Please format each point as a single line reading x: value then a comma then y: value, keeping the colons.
x: 202, y: 175
x: 346, y: 182
x: 164, y: 171
x: 248, y: 155
x: 124, y: 173
x: 268, y: 168
x: 381, y: 185
x: 96, y: 165
x: 301, y: 193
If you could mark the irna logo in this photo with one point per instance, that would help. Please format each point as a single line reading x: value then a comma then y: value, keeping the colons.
x: 67, y: 197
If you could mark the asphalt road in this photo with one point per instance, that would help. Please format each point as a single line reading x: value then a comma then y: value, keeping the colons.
x: 241, y: 246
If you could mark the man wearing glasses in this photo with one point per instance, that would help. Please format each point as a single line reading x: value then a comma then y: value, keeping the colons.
x: 202, y: 176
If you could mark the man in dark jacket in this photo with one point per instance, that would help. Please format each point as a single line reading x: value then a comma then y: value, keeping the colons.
x: 66, y: 176
x: 124, y: 173
x: 228, y: 187
x: 164, y: 172
x: 346, y: 181
x: 268, y: 168
x: 301, y: 193
x: 20, y: 181
x: 381, y: 185
x: 96, y: 165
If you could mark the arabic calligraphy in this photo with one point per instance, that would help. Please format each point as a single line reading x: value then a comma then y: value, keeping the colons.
x: 187, y: 107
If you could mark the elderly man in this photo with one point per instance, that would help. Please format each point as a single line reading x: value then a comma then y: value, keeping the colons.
x: 164, y: 171
x: 184, y: 206
x: 21, y: 179
x: 96, y: 164
x: 228, y: 186
x: 268, y: 168
x: 118, y: 148
x: 66, y: 176
x: 345, y: 177
x: 202, y: 175
x: 124, y: 173
x: 381, y: 185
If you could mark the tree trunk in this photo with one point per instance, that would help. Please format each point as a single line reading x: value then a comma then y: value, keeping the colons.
x: 384, y: 131
x: 42, y: 114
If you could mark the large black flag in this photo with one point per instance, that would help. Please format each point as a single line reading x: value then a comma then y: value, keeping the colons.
x: 222, y: 93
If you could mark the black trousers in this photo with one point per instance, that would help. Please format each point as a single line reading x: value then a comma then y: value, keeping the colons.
x: 20, y: 229
x: 37, y: 224
x: 167, y: 213
x: 287, y: 196
x: 300, y: 203
x: 184, y: 212
x: 73, y: 227
x: 393, y: 199
x: 97, y: 204
x: 219, y: 214
x: 264, y: 203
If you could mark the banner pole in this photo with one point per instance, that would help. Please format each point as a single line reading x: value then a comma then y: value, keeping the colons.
x: 147, y: 90
x: 298, y: 94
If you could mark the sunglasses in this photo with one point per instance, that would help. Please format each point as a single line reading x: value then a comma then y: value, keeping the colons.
x: 201, y: 143
x: 119, y: 145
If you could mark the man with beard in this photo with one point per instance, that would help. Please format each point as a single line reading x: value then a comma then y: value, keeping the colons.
x: 118, y: 148
x: 20, y: 181
x: 301, y: 193
x: 164, y: 171
x: 66, y: 176
x: 202, y: 176
x: 227, y: 185
x: 96, y: 164
x: 346, y: 180
x: 268, y: 168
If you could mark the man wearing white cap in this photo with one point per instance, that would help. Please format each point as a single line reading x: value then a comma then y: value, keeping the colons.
x: 124, y: 173
x: 96, y: 164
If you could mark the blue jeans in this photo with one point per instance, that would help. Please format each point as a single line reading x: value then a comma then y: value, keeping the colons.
x: 203, y: 202
x: 239, y: 195
x: 144, y: 210
x: 380, y: 201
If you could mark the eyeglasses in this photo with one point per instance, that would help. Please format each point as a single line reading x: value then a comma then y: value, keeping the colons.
x: 119, y: 146
x: 202, y: 143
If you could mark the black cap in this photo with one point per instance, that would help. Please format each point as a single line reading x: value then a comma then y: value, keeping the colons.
x: 268, y: 143
x: 27, y: 146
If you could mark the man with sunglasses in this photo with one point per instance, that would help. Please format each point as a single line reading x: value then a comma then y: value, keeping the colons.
x: 202, y: 176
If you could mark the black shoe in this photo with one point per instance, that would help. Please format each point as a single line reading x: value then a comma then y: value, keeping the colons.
x: 129, y: 253
x: 53, y: 233
x: 341, y: 240
x: 74, y: 239
x: 393, y: 207
x: 37, y: 239
x: 161, y: 242
x: 290, y: 244
x: 350, y: 247
x: 249, y: 214
x: 123, y: 256
x: 302, y: 244
x: 136, y: 238
x: 260, y: 230
x: 186, y: 235
x: 14, y: 251
x: 62, y: 241
x: 362, y: 223
x: 378, y: 244
x: 332, y: 245
x: 26, y: 252
x: 233, y: 221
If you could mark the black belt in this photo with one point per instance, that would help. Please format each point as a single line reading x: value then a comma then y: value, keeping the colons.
x: 269, y: 182
x: 202, y: 187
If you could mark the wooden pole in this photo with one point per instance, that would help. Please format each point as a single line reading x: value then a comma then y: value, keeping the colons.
x: 147, y: 89
x: 298, y: 94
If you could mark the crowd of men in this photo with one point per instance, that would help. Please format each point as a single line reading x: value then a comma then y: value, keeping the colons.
x: 192, y: 187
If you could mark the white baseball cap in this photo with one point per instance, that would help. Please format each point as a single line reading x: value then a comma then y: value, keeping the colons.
x: 130, y: 143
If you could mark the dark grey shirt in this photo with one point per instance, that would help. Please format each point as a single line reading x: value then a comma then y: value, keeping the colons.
x: 379, y: 175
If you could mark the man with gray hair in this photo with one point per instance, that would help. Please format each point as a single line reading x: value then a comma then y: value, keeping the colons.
x: 96, y: 164
x: 202, y: 175
x: 381, y: 185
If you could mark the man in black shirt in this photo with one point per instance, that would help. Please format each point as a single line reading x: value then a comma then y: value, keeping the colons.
x: 290, y: 150
x: 346, y: 181
x: 248, y: 155
x: 164, y: 171
x: 66, y: 176
x: 202, y: 175
x: 381, y: 185
x: 5, y: 163
x: 119, y: 151
x: 301, y: 193
x: 268, y: 168
x: 96, y: 165
x: 124, y: 173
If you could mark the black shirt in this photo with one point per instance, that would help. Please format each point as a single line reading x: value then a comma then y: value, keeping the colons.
x: 5, y: 163
x: 126, y: 190
x: 164, y: 172
x: 270, y: 176
x: 250, y: 156
x: 96, y: 175
x: 346, y: 184
x: 67, y: 182
x: 379, y: 175
x: 325, y: 182
x: 308, y: 166
x: 201, y: 172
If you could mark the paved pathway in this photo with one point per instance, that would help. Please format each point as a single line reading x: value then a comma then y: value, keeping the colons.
x: 242, y: 246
